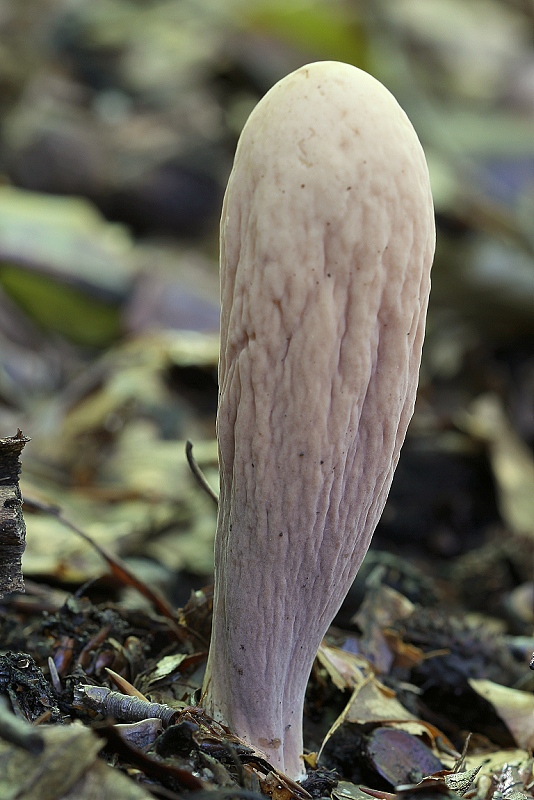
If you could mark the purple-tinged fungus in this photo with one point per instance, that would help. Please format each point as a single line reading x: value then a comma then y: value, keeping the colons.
x: 327, y: 239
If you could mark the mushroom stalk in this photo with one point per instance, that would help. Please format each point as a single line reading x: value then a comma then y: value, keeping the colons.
x: 327, y: 239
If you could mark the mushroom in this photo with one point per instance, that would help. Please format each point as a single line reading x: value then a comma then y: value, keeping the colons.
x: 327, y: 239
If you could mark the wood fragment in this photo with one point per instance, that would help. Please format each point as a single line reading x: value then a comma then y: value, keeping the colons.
x: 122, y: 706
x: 12, y: 527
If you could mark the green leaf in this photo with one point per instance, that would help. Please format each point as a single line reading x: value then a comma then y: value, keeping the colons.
x: 61, y: 308
x: 327, y: 30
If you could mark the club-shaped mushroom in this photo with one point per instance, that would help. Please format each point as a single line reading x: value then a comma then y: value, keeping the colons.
x: 327, y: 239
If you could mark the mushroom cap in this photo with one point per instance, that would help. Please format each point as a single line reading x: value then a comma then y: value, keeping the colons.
x: 327, y: 239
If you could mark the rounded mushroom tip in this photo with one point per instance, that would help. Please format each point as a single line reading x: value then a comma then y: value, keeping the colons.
x: 331, y: 70
x: 336, y: 84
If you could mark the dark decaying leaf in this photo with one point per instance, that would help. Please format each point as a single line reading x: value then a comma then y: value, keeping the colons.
x: 399, y: 757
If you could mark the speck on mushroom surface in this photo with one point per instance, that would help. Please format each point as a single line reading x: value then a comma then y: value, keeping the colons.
x: 327, y: 238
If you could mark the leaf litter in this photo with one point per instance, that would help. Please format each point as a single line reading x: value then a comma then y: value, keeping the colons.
x: 108, y: 363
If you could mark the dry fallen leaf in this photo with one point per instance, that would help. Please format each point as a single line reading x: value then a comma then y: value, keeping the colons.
x: 373, y: 702
x: 514, y: 707
x: 345, y: 670
x: 512, y: 462
x: 369, y: 702
x: 67, y: 767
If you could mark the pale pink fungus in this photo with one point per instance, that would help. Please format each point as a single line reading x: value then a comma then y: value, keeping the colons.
x: 327, y: 239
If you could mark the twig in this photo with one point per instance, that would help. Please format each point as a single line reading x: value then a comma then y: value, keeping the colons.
x: 122, y: 706
x: 197, y: 472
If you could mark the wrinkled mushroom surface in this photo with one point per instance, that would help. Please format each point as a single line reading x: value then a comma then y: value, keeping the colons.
x: 327, y: 238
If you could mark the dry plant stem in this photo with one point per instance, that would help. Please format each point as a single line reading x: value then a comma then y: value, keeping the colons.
x: 198, y: 474
x: 327, y: 238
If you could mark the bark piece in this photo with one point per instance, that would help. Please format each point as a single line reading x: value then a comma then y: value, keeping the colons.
x: 12, y: 527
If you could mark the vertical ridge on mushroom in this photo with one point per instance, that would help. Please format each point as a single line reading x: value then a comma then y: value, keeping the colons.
x: 327, y: 239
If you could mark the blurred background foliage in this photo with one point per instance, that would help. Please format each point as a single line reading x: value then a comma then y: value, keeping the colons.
x: 118, y: 123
